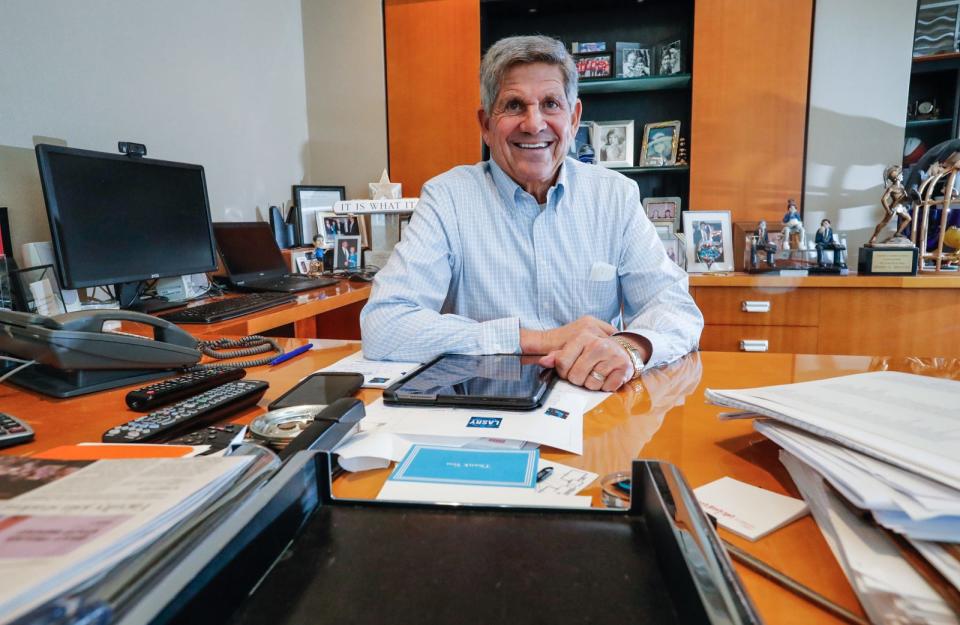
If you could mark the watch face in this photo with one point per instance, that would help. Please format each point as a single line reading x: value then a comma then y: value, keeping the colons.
x: 925, y: 108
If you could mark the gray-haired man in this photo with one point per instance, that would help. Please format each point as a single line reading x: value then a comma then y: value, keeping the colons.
x: 532, y: 252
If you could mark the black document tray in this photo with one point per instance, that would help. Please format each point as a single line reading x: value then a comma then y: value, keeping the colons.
x: 310, y: 558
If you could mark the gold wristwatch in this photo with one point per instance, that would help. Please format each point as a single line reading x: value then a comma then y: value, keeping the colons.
x: 635, y: 358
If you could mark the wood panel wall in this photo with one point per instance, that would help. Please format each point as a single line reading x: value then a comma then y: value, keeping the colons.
x: 433, y: 89
x: 751, y: 63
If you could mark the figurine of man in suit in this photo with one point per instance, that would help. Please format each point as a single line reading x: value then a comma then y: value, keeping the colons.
x: 793, y: 225
x: 762, y: 244
x: 824, y: 241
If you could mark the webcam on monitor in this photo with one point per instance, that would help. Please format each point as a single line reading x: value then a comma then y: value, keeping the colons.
x: 131, y: 149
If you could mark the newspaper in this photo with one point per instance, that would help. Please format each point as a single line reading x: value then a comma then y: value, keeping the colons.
x: 65, y: 522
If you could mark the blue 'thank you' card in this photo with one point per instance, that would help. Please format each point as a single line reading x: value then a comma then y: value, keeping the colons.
x: 473, y: 467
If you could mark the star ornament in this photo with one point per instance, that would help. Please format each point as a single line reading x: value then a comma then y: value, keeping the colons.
x: 384, y: 190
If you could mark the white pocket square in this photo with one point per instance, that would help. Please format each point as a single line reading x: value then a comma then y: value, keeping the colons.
x: 602, y: 272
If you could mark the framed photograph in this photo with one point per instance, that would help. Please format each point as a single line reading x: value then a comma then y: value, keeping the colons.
x: 664, y: 229
x: 581, y: 139
x: 588, y: 46
x: 307, y: 202
x: 669, y: 58
x: 598, y: 65
x: 303, y: 263
x: 346, y: 252
x: 331, y: 226
x: 659, y: 146
x: 663, y: 209
x: 673, y: 249
x: 709, y: 238
x: 633, y: 60
x: 613, y: 143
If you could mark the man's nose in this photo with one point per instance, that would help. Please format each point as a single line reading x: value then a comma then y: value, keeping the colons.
x: 532, y: 122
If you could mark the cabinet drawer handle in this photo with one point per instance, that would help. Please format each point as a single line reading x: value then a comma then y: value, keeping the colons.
x: 755, y: 306
x: 754, y: 345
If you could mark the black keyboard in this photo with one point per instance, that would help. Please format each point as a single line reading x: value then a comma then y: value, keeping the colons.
x: 223, y: 309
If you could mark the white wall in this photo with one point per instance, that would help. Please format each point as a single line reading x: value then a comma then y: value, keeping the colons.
x: 859, y: 82
x: 215, y: 82
x: 346, y: 92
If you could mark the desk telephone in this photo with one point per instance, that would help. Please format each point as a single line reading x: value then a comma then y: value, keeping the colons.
x: 74, y: 354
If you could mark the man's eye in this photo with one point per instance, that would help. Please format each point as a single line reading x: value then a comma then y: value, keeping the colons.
x: 513, y: 106
x: 551, y: 105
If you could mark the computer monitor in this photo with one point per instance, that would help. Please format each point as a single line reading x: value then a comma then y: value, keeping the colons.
x: 120, y: 220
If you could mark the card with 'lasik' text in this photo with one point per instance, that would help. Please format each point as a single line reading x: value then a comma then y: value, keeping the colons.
x: 474, y: 467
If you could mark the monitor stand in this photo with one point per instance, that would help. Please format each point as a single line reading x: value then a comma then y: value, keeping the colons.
x: 128, y: 295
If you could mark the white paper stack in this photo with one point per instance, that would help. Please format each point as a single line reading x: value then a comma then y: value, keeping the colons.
x: 888, y: 443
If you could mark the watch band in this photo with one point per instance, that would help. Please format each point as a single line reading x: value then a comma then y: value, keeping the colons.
x: 635, y: 358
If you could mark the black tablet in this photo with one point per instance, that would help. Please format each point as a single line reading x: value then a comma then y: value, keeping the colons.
x: 496, y: 381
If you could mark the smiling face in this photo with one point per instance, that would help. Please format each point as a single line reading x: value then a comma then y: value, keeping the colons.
x: 530, y: 127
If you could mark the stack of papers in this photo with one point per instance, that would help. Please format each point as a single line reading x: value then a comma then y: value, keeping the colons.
x: 65, y: 522
x: 376, y: 373
x: 887, y: 443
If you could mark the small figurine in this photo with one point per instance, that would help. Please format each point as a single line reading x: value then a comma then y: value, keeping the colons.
x: 824, y: 241
x: 316, y: 262
x: 682, y: 152
x: 794, y: 236
x: 894, y: 201
x: 761, y: 243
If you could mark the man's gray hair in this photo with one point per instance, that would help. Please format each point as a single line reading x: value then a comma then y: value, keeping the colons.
x: 511, y: 51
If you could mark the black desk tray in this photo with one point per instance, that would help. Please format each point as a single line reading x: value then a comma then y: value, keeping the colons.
x: 294, y: 554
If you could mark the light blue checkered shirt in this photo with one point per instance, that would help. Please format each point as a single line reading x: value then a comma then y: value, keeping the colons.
x: 480, y: 259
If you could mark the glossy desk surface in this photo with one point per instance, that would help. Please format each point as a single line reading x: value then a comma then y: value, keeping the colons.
x: 664, y: 417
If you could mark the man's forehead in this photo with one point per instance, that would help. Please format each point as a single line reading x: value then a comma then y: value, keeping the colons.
x: 532, y: 78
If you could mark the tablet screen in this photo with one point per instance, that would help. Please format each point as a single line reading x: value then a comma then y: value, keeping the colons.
x: 506, y: 377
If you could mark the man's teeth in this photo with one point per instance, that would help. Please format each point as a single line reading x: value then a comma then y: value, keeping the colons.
x: 533, y: 146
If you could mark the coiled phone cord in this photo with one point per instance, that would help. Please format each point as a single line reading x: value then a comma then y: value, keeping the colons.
x: 239, y: 348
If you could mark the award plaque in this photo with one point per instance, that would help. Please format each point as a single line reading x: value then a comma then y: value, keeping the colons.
x: 887, y: 261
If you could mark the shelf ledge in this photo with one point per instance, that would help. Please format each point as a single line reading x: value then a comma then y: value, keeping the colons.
x: 648, y: 83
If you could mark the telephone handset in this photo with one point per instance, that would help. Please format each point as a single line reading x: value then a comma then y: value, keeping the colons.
x: 77, y: 340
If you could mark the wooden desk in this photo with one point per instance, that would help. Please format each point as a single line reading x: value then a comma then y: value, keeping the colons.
x: 665, y: 418
x: 901, y: 316
x: 332, y: 312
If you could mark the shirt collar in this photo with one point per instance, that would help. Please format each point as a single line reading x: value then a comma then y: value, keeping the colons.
x: 510, y: 191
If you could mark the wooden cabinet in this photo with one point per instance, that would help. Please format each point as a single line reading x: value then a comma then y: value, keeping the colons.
x: 892, y: 316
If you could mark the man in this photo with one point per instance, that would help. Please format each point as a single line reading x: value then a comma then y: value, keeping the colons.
x: 763, y: 244
x: 531, y: 252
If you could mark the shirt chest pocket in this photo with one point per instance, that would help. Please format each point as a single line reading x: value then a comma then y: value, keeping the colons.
x: 596, y: 296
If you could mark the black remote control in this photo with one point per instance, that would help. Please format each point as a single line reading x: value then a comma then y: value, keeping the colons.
x: 13, y: 431
x: 216, y: 436
x: 189, y: 414
x: 150, y: 397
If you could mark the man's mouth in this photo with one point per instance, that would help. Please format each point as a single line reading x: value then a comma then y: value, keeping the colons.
x: 540, y: 145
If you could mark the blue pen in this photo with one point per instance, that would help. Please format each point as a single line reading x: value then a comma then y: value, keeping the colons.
x: 291, y: 354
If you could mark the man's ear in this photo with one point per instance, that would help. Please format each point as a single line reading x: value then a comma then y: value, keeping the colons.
x: 484, y: 121
x: 575, y: 116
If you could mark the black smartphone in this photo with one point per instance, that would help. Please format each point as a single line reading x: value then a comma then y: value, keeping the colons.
x: 321, y: 389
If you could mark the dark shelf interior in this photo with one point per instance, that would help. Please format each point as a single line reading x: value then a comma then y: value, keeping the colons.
x: 643, y: 100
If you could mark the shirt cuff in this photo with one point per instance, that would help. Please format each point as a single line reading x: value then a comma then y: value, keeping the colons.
x: 500, y: 336
x: 655, y: 338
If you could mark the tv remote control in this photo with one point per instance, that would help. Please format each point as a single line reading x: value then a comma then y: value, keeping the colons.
x: 147, y: 398
x: 13, y: 431
x: 189, y: 414
x: 216, y: 436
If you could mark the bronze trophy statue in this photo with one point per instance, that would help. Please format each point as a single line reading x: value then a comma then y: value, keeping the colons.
x: 896, y: 254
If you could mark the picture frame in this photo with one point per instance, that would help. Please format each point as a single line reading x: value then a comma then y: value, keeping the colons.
x: 634, y: 60
x: 670, y: 58
x: 664, y: 229
x: 613, y: 143
x: 347, y: 253
x: 663, y: 209
x: 308, y: 200
x: 660, y: 141
x: 331, y: 225
x: 673, y: 249
x: 581, y: 138
x: 709, y: 241
x: 301, y: 261
x: 594, y: 65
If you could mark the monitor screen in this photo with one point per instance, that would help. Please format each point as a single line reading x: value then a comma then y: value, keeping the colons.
x: 116, y: 219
